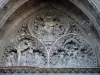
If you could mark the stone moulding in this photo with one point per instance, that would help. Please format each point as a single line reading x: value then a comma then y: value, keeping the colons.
x: 47, y: 70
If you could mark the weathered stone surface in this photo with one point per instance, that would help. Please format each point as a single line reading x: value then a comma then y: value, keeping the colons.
x: 55, y: 36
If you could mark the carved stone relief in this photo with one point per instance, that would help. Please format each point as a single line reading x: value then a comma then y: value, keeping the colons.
x: 75, y: 29
x: 25, y: 51
x: 48, y: 26
x: 23, y: 29
x: 69, y: 51
x: 72, y: 51
x: 52, y: 43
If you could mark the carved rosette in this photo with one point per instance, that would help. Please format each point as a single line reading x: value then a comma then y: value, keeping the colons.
x: 72, y: 51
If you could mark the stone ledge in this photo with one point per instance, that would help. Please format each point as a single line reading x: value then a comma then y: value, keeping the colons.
x: 47, y: 70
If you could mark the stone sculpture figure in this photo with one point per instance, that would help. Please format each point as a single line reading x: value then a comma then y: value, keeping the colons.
x: 22, y: 47
x: 11, y: 59
x: 72, y: 48
x: 29, y: 52
x: 77, y: 53
x: 30, y: 57
x: 38, y: 59
x: 60, y: 59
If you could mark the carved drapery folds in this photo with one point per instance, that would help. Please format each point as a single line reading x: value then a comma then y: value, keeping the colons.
x: 50, y: 42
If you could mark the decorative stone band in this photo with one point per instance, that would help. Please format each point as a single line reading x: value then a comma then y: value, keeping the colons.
x: 47, y: 70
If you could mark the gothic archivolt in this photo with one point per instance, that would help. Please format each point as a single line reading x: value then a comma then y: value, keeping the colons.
x: 48, y: 40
